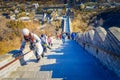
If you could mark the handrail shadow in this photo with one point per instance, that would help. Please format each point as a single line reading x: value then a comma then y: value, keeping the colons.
x: 16, y: 54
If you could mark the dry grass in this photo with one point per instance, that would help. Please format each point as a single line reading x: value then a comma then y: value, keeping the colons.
x: 78, y: 25
x: 81, y: 20
x: 6, y: 46
x: 10, y: 32
x: 10, y: 39
x: 48, y: 29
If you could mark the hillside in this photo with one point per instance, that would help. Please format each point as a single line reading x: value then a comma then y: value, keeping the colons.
x: 10, y: 33
x: 81, y: 20
x: 100, y: 1
x: 85, y: 20
x: 107, y: 18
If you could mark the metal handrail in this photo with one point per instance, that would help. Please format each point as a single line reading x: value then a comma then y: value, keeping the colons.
x: 19, y: 57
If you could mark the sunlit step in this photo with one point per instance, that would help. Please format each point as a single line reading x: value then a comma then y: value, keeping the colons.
x: 31, y: 79
x: 31, y: 74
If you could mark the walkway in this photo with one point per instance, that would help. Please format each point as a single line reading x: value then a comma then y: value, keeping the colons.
x: 64, y: 62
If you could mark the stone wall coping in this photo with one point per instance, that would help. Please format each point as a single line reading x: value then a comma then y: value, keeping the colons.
x: 116, y: 32
x: 101, y: 32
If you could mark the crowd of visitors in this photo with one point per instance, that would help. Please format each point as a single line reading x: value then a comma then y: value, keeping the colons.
x: 40, y: 44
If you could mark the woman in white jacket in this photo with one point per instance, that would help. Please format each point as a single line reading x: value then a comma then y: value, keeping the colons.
x: 35, y: 43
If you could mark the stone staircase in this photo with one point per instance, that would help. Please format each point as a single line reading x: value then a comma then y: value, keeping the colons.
x: 32, y: 71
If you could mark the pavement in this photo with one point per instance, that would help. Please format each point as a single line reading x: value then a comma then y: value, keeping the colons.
x: 68, y: 61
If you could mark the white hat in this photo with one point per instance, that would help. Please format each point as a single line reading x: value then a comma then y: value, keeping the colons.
x: 25, y: 31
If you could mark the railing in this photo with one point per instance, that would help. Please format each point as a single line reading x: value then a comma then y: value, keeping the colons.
x: 67, y: 24
x: 17, y: 58
x: 10, y: 64
x: 66, y: 27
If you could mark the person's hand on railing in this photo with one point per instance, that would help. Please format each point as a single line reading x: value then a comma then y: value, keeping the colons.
x: 20, y: 51
x: 17, y: 58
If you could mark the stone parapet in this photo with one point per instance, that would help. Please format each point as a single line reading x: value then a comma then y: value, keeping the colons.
x: 104, y: 45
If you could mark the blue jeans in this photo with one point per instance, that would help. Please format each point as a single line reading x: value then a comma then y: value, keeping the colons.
x: 63, y: 40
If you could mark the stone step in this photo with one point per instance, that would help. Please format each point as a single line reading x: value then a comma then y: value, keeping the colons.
x: 32, y: 71
x: 28, y: 69
x: 32, y: 79
x: 43, y: 61
x: 31, y: 74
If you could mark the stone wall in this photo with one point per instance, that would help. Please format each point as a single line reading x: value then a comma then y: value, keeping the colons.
x: 104, y: 45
